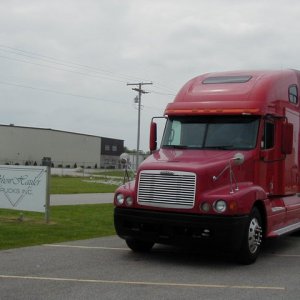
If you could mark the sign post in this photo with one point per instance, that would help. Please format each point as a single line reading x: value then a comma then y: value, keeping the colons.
x: 47, y: 204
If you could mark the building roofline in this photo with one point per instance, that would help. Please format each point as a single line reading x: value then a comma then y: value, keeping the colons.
x: 56, y: 130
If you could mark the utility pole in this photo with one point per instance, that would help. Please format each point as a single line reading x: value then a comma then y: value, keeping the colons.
x: 140, y: 92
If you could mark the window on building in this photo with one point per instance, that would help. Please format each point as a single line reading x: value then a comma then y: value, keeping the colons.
x: 114, y: 148
x: 293, y: 94
x: 107, y: 147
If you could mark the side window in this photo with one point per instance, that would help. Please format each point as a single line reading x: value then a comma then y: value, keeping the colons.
x: 268, y: 137
x: 173, y: 133
x: 293, y: 94
x: 176, y: 133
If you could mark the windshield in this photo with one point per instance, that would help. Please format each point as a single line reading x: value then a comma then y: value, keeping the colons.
x: 205, y: 132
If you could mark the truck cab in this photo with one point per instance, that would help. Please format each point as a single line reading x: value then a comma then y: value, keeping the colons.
x: 226, y: 173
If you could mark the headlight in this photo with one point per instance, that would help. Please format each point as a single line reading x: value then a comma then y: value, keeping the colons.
x: 120, y: 199
x: 205, y: 206
x: 220, y: 206
x: 129, y: 201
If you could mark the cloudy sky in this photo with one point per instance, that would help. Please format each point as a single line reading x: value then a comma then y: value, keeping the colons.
x: 65, y: 64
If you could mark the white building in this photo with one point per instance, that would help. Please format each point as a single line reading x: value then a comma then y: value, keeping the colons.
x: 29, y: 145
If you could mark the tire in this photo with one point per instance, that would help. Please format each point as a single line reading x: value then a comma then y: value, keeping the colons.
x: 139, y: 246
x: 252, y: 240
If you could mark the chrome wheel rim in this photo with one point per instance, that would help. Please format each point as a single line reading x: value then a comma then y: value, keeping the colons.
x: 254, y: 235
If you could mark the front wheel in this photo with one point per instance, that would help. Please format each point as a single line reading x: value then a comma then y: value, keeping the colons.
x: 139, y: 246
x: 251, y: 244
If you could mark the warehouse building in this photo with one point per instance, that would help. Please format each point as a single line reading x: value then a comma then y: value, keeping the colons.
x: 32, y: 146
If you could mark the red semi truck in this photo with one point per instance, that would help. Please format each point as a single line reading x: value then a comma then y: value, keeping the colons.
x: 226, y: 173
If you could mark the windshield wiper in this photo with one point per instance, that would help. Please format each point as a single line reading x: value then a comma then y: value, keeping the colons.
x: 220, y: 147
x: 175, y: 146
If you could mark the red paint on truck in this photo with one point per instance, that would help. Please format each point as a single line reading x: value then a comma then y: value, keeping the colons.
x: 227, y: 171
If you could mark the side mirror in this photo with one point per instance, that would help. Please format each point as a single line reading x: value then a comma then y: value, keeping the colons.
x: 153, y: 136
x: 238, y: 159
x: 287, y: 138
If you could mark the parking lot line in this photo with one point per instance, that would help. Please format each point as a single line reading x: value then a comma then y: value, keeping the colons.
x: 287, y: 255
x: 86, y: 247
x: 127, y: 249
x: 168, y: 284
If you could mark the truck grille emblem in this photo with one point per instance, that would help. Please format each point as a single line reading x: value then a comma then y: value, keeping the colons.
x: 167, y: 173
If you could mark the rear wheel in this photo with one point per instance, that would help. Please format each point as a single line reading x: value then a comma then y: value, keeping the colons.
x: 252, y: 239
x: 138, y: 245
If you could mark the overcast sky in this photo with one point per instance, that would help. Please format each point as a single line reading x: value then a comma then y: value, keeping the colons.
x: 65, y: 64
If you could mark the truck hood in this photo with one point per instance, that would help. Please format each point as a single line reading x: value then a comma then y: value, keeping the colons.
x: 189, y: 160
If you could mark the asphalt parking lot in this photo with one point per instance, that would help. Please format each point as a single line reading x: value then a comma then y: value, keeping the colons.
x: 104, y: 268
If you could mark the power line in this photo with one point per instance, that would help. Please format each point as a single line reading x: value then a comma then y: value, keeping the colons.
x: 53, y: 60
x: 64, y: 63
x: 161, y: 93
x: 76, y: 72
x: 59, y: 92
x: 68, y: 94
x: 60, y: 69
x: 57, y: 61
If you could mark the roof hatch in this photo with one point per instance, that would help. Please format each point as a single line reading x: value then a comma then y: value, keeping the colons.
x: 226, y: 79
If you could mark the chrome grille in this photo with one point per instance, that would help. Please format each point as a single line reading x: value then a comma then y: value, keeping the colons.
x: 167, y: 189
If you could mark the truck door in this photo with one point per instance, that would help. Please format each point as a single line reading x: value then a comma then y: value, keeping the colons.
x: 278, y: 173
x: 270, y: 170
x: 291, y: 177
x: 271, y: 165
x: 292, y: 159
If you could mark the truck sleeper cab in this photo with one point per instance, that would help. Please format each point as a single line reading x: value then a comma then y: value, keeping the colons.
x: 227, y: 170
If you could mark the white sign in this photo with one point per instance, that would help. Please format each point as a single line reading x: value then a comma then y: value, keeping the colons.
x: 23, y: 188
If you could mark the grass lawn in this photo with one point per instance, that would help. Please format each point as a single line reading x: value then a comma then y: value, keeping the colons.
x: 117, y: 173
x: 76, y: 185
x: 66, y: 223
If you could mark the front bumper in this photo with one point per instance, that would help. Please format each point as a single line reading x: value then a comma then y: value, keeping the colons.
x: 180, y: 228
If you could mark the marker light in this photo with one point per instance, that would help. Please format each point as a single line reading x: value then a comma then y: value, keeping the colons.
x: 220, y: 206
